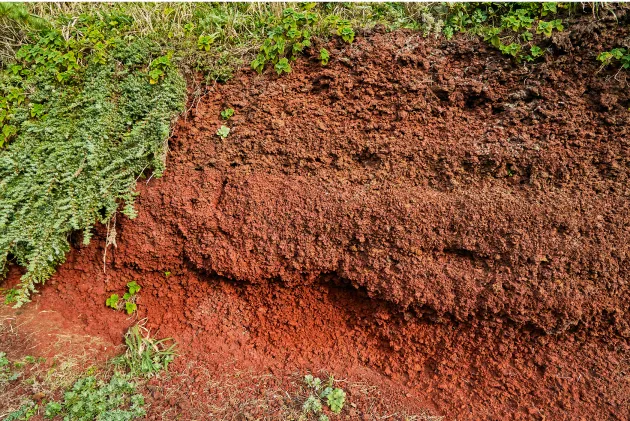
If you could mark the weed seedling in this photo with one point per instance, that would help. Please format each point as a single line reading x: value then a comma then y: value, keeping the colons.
x: 204, y: 42
x: 324, y: 56
x: 128, y: 301
x: 223, y: 132
x: 92, y: 399
x: 227, y: 113
x: 334, y: 397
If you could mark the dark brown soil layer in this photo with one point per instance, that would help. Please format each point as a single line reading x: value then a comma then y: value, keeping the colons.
x: 424, y: 211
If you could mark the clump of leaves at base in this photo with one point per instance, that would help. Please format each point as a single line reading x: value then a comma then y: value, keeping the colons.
x: 128, y: 300
x: 616, y: 55
x: 227, y: 113
x: 289, y: 37
x: 6, y: 373
x: 223, y: 132
x: 513, y: 28
x: 145, y: 356
x: 92, y: 399
x: 82, y: 116
x: 323, y: 394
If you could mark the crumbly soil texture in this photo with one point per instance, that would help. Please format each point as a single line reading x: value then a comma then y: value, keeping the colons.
x: 422, y: 216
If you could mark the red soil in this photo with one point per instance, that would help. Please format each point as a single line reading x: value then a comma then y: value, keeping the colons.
x: 425, y: 216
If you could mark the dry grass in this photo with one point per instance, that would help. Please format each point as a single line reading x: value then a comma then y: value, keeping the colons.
x: 230, y: 394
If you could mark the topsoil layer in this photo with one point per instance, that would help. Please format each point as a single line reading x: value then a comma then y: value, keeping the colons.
x: 428, y: 211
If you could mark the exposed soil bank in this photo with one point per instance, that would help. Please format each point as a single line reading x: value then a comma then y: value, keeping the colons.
x: 437, y: 176
x: 429, y: 213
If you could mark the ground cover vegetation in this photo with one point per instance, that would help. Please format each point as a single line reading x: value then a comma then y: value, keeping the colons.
x: 110, y: 392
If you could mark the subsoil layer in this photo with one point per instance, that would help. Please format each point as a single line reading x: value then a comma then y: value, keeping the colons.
x: 424, y: 215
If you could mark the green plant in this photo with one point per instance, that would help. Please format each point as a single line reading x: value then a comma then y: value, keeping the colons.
x: 335, y: 398
x: 81, y: 122
x: 621, y: 55
x: 344, y: 30
x: 283, y: 66
x: 547, y: 28
x: 10, y: 295
x: 91, y: 399
x: 128, y: 301
x: 146, y: 356
x: 223, y: 132
x: 159, y: 68
x: 285, y: 40
x: 324, y: 56
x: 24, y: 412
x: 6, y: 373
x: 227, y: 113
x: 508, y: 27
x: 205, y: 41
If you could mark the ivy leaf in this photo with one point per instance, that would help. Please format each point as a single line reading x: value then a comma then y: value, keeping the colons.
x: 133, y: 287
x: 283, y: 66
x: 324, y: 56
x: 130, y: 307
x: 112, y: 301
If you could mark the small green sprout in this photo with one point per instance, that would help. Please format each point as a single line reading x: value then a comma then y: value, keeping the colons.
x: 227, y: 113
x: 223, y: 132
x: 128, y: 301
x: 205, y: 41
x: 324, y: 56
x: 112, y: 301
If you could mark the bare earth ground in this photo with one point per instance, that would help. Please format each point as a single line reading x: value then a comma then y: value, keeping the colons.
x: 443, y: 229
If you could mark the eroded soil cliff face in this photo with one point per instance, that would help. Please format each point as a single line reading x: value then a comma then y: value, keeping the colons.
x: 437, y: 176
x: 428, y: 212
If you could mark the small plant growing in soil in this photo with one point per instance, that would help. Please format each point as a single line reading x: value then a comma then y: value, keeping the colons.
x: 508, y: 27
x: 292, y: 34
x: 92, y: 399
x: 204, y: 42
x: 344, y: 30
x: 223, y: 132
x: 159, y: 68
x: 227, y: 113
x: 324, y: 56
x: 24, y: 413
x: 620, y: 55
x: 6, y: 374
x: 283, y: 66
x: 128, y: 301
x: 146, y: 356
x: 323, y: 394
